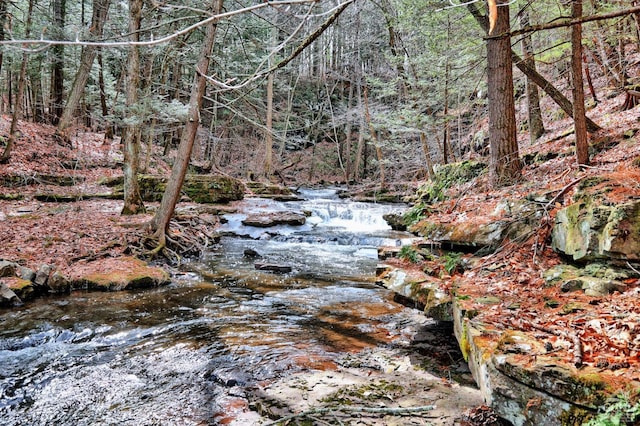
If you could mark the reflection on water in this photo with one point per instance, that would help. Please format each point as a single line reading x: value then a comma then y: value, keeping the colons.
x: 175, y: 355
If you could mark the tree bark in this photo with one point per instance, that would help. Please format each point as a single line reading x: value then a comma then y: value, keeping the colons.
x: 504, y: 165
x: 100, y: 9
x: 557, y: 96
x: 160, y: 222
x: 131, y: 141
x: 57, y: 65
x: 582, y: 143
x: 375, y: 137
x: 17, y: 108
x: 534, y: 114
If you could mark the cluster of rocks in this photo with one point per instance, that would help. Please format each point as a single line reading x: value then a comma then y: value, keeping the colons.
x: 18, y: 283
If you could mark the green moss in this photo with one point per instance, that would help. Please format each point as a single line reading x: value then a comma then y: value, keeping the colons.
x: 575, y: 416
x: 447, y: 176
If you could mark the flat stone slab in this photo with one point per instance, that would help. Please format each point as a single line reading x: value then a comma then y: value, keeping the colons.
x: 274, y: 219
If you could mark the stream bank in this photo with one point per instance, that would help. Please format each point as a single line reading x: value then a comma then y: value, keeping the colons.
x: 542, y: 290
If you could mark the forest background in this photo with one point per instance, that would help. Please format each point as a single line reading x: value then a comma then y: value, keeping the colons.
x: 312, y: 91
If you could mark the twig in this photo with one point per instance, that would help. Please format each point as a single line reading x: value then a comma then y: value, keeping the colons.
x: 575, y: 339
x: 632, y: 268
x: 563, y: 191
x: 390, y: 410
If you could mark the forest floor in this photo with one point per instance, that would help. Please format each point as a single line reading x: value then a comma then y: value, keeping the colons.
x: 69, y: 235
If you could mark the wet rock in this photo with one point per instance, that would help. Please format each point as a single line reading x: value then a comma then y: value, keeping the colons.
x: 251, y: 253
x: 269, y: 190
x: 395, y: 221
x: 7, y: 297
x: 274, y: 219
x: 418, y: 287
x: 272, y: 267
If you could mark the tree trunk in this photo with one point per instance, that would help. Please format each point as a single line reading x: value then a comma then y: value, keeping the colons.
x: 17, y: 108
x: 504, y: 165
x: 131, y: 141
x: 375, y: 137
x: 427, y: 155
x: 534, y: 114
x: 582, y: 143
x: 557, y: 96
x: 160, y: 222
x: 268, y: 134
x: 100, y: 8
x: 108, y: 127
x: 57, y: 63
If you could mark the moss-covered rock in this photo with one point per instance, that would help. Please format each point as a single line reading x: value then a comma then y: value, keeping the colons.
x: 446, y: 176
x: 426, y: 292
x: 119, y: 274
x: 588, y: 230
x: 199, y: 188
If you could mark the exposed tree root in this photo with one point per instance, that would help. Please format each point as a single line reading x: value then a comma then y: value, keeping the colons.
x: 188, y: 236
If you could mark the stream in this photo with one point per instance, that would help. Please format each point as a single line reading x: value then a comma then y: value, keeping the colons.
x: 197, y: 352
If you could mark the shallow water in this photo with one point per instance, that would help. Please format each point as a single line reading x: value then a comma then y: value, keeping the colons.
x: 175, y: 355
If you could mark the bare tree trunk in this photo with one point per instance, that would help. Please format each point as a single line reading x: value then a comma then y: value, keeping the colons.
x: 57, y: 66
x: 582, y: 143
x: 17, y: 108
x: 505, y: 165
x: 100, y: 8
x: 131, y: 141
x: 268, y: 134
x: 534, y: 114
x: 160, y: 222
x: 108, y: 127
x: 557, y: 96
x: 427, y: 155
x: 375, y: 137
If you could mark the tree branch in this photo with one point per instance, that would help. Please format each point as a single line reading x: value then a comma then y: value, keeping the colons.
x: 566, y: 22
x: 152, y: 42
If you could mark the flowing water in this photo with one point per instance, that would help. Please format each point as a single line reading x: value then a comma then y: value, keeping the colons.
x: 182, y: 354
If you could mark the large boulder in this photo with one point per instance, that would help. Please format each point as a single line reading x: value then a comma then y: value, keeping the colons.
x: 588, y: 230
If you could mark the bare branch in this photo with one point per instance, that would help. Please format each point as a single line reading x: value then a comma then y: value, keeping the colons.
x: 566, y: 22
x: 43, y: 44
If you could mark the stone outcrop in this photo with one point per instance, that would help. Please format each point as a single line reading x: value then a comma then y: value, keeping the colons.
x: 510, y: 219
x: 208, y: 189
x: 588, y: 230
x: 270, y: 190
x: 425, y: 291
x: 531, y: 373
